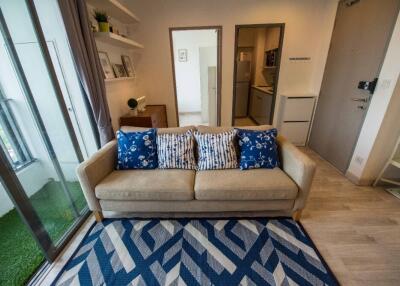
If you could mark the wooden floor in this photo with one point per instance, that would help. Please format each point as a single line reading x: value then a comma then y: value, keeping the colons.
x: 356, y: 229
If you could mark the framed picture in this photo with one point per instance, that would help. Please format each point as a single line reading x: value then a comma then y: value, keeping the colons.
x: 130, y: 70
x: 182, y: 55
x: 106, y: 65
x: 119, y: 70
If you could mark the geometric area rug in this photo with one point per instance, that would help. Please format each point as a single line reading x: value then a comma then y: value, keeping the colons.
x: 196, y: 252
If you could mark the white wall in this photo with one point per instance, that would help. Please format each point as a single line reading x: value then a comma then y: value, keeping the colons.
x: 381, y: 127
x: 187, y: 73
x: 308, y: 30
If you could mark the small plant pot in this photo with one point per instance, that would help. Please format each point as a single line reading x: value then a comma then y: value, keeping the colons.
x: 104, y: 27
x: 134, y: 112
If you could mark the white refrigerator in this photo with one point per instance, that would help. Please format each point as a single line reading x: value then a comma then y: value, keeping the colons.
x: 242, y: 87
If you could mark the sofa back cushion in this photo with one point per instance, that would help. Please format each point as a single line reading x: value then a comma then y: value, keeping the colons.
x: 216, y: 150
x: 171, y: 130
x: 176, y: 151
x: 137, y: 150
x: 258, y: 149
x: 219, y: 129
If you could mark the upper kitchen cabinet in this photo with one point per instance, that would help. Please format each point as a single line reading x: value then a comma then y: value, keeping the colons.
x: 272, y: 37
x: 246, y: 38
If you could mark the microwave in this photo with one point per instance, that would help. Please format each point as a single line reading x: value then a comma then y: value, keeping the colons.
x: 271, y: 58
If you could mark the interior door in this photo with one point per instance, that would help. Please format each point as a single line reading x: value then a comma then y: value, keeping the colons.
x: 359, y: 40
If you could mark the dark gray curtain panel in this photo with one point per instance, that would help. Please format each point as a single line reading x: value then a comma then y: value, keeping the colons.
x: 87, y: 63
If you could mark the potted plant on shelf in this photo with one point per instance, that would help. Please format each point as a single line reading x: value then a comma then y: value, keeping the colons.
x: 102, y: 20
x: 132, y: 103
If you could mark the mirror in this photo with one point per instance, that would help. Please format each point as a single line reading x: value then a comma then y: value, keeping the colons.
x: 257, y: 61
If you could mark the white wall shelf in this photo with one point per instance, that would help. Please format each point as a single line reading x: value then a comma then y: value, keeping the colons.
x: 117, y: 40
x: 115, y: 9
x: 117, y: 79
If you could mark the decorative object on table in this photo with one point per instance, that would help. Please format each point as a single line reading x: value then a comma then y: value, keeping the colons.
x: 154, y: 116
x: 197, y: 252
x: 106, y: 65
x: 137, y: 150
x: 182, y: 55
x: 216, y: 150
x: 141, y: 103
x: 126, y: 60
x: 176, y: 151
x: 102, y: 20
x: 132, y: 103
x: 258, y: 149
x: 119, y: 70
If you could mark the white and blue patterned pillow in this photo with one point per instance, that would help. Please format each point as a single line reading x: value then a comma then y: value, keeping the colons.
x: 258, y: 149
x: 137, y: 150
x: 216, y: 150
x: 176, y: 151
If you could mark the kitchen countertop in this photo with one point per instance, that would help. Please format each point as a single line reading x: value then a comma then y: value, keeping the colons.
x: 266, y: 89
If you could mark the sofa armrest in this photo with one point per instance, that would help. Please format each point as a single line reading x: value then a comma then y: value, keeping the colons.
x: 299, y: 167
x: 95, y: 169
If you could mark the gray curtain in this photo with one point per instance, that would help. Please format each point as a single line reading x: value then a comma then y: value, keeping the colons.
x: 87, y: 63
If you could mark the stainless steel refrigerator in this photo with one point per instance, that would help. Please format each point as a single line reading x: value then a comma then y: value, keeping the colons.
x: 242, y: 86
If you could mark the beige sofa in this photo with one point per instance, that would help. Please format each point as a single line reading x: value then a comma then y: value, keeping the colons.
x: 190, y: 193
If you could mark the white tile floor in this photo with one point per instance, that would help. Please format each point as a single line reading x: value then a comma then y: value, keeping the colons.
x: 187, y: 119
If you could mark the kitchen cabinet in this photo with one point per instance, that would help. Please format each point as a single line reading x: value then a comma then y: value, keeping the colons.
x: 260, y: 106
x: 295, y: 116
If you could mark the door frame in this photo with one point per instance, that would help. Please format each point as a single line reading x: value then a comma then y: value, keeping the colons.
x: 219, y: 65
x: 282, y: 33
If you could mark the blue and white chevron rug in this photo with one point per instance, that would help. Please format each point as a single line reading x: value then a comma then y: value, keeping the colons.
x: 196, y: 252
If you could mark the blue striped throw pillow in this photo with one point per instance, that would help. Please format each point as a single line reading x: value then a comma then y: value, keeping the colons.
x: 176, y: 151
x: 216, y: 150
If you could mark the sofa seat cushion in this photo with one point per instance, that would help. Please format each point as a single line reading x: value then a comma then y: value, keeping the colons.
x: 234, y: 184
x: 157, y: 184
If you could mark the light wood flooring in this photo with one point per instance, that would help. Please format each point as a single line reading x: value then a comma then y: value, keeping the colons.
x: 356, y: 229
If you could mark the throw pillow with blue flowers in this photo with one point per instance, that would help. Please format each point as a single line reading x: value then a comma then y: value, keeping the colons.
x: 137, y: 150
x: 258, y: 149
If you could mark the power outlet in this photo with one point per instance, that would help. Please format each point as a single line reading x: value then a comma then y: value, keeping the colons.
x: 359, y: 160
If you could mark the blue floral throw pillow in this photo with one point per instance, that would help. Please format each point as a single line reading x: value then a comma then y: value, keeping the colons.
x: 137, y: 150
x: 258, y: 149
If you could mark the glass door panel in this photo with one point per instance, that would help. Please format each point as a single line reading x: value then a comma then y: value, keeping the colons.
x: 35, y: 128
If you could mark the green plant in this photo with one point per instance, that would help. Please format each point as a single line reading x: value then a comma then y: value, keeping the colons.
x: 132, y: 103
x: 100, y: 16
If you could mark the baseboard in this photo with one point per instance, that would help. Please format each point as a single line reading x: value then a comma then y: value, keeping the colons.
x: 359, y: 182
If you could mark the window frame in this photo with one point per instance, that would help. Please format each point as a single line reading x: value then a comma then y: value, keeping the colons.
x: 13, y: 133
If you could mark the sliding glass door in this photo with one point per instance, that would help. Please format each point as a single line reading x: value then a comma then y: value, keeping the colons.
x: 41, y: 140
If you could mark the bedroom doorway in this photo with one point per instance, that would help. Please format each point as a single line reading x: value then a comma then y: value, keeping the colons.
x: 195, y: 53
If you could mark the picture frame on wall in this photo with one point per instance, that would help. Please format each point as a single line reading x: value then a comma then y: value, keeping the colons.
x: 119, y: 70
x: 106, y: 65
x: 129, y: 68
x: 182, y: 55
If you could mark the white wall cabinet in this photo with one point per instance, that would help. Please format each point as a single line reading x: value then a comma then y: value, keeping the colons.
x: 295, y: 118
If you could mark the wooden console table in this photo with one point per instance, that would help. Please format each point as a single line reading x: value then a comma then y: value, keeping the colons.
x: 154, y: 116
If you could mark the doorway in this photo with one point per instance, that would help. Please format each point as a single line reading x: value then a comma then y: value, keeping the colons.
x: 196, y: 66
x: 358, y: 46
x: 256, y: 72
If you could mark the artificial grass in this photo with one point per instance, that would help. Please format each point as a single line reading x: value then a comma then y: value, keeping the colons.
x: 19, y: 254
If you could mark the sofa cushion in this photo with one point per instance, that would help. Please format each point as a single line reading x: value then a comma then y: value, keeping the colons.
x: 258, y: 149
x: 137, y: 150
x: 157, y: 184
x: 234, y: 184
x: 216, y: 151
x: 176, y: 151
